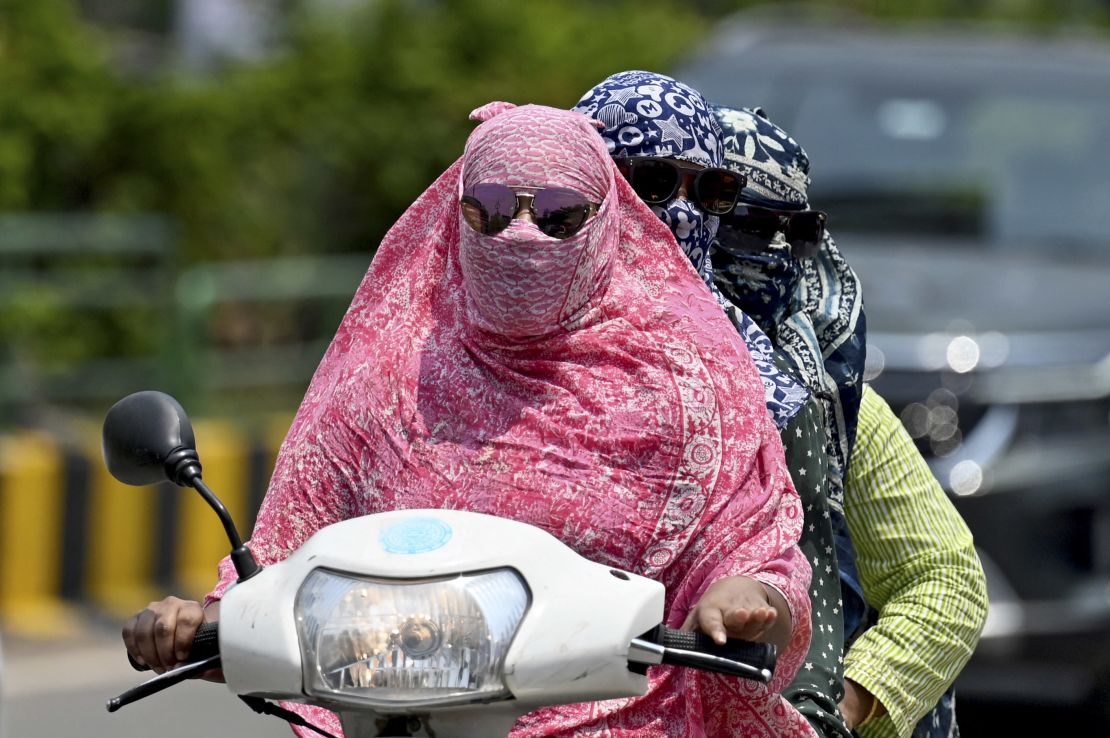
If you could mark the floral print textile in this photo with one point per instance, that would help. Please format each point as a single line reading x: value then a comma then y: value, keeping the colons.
x: 621, y: 413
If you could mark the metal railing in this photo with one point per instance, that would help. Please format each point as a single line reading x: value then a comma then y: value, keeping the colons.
x: 95, y: 307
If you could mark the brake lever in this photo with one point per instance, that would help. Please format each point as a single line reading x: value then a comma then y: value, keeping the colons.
x: 163, y: 681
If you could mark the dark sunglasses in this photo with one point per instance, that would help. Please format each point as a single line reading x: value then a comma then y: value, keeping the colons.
x: 558, y: 212
x: 656, y: 180
x: 804, y: 229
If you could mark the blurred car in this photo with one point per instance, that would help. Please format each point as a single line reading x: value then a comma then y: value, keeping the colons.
x: 967, y: 178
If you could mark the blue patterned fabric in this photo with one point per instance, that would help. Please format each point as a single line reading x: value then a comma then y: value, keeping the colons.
x: 776, y: 167
x: 785, y: 396
x: 649, y: 114
x: 694, y: 231
x: 940, y: 722
x: 758, y: 276
x: 812, y: 308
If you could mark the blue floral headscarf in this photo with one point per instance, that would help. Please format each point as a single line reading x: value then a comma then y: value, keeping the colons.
x: 811, y: 307
x: 650, y: 114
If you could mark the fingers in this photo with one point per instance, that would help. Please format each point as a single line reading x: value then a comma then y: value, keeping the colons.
x: 161, y: 636
x: 749, y: 624
x: 711, y: 622
x: 144, y: 640
x: 733, y: 607
x: 189, y: 619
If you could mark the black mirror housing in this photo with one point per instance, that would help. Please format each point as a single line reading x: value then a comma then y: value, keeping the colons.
x: 146, y: 435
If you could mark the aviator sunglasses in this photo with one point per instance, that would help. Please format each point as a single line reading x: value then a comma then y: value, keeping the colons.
x: 656, y: 180
x: 804, y: 229
x: 558, y: 212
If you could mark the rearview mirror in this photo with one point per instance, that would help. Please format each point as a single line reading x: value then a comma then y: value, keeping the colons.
x: 141, y: 434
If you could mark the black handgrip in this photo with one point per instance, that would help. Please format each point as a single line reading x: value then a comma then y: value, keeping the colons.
x: 759, y: 655
x: 661, y: 645
x: 206, y: 643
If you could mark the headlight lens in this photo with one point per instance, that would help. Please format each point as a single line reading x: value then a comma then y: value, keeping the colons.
x: 426, y: 642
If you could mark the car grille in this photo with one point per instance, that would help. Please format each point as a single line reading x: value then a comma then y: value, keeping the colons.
x: 1042, y: 508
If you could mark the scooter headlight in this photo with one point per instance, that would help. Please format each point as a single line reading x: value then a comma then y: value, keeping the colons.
x: 390, y: 643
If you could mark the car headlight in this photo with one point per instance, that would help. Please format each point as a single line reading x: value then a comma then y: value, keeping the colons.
x: 390, y: 643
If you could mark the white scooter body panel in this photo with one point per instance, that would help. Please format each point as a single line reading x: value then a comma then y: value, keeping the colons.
x: 572, y: 645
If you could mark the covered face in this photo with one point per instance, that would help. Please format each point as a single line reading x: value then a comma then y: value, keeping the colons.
x: 521, y: 283
x: 650, y: 114
x: 813, y: 306
x: 644, y: 114
x: 760, y: 273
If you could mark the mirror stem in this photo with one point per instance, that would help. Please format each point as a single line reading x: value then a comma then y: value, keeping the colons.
x: 241, y: 556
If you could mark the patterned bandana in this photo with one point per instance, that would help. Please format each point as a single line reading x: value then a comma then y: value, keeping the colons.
x: 628, y: 422
x: 757, y: 276
x: 777, y: 168
x: 649, y: 114
x: 693, y: 230
x: 812, y: 308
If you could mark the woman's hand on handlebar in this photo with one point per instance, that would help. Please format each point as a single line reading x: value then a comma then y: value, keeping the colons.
x: 735, y: 607
x: 161, y: 636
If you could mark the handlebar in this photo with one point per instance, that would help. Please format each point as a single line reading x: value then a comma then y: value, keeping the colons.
x: 206, y: 643
x: 663, y: 645
x: 204, y: 656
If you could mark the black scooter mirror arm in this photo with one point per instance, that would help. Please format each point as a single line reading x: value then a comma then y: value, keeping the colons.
x: 221, y: 510
x: 241, y: 556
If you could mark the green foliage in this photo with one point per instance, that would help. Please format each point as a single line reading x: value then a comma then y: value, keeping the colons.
x: 316, y: 148
x: 56, y: 105
x: 320, y: 145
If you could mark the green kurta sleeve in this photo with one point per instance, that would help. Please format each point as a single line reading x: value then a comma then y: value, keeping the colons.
x: 919, y: 569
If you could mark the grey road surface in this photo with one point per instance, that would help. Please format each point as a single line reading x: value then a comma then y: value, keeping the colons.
x: 59, y: 688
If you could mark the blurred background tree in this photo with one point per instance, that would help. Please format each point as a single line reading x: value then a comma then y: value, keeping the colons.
x: 343, y: 112
x: 308, y: 132
x: 315, y: 144
x: 294, y: 127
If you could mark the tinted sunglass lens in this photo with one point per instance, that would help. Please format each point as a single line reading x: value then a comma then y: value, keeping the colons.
x: 560, y: 212
x: 654, y: 181
x: 805, y: 232
x: 489, y: 208
x: 716, y: 190
x: 756, y: 222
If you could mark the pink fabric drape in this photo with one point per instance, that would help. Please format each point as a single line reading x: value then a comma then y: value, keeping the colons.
x: 590, y: 387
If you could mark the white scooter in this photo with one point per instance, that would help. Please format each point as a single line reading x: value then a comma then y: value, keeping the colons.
x: 416, y: 622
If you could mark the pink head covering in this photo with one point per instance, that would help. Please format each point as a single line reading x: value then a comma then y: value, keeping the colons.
x: 591, y: 387
x: 520, y: 283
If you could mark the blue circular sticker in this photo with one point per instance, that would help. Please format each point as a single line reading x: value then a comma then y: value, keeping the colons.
x: 415, y: 536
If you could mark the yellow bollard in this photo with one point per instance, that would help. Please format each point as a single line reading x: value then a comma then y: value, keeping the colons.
x: 32, y: 491
x: 276, y: 428
x: 122, y: 527
x: 201, y: 541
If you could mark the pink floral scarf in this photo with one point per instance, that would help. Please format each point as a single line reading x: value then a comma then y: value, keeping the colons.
x: 589, y: 386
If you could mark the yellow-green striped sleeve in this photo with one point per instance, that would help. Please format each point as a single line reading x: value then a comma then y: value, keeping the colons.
x: 918, y: 567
